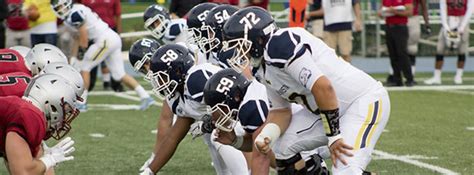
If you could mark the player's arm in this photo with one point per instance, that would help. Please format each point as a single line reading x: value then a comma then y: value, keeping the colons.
x: 118, y: 18
x: 467, y: 16
x: 316, y: 13
x: 167, y: 148
x: 83, y: 37
x: 19, y: 157
x: 164, y: 124
x: 424, y: 9
x: 358, y: 16
x: 443, y: 10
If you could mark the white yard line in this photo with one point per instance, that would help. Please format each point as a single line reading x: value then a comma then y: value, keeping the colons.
x: 97, y: 135
x: 405, y: 159
x: 470, y: 128
x: 460, y: 92
x: 133, y: 98
x: 112, y: 107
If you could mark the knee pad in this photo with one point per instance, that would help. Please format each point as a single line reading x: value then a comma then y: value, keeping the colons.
x: 439, y: 57
x: 461, y: 58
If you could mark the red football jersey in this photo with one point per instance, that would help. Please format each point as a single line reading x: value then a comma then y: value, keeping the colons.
x: 456, y: 7
x: 14, y: 84
x: 23, y: 118
x: 12, y: 61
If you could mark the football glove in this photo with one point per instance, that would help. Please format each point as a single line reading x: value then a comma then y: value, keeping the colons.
x: 147, y: 171
x: 58, y: 153
x: 147, y: 162
x: 201, y: 127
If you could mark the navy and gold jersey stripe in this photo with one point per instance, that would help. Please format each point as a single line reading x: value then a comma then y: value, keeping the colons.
x: 101, y: 51
x: 369, y: 126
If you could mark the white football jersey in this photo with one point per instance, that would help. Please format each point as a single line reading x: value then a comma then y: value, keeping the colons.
x: 253, y: 110
x: 81, y: 15
x: 295, y: 60
x: 192, y: 104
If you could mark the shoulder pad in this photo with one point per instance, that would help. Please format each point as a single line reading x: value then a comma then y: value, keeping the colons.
x: 281, y: 48
x: 195, y: 84
x: 77, y: 18
x: 253, y: 114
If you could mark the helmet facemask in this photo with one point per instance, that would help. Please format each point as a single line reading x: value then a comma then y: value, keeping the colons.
x: 227, y: 119
x: 61, y: 8
x: 60, y: 126
x: 195, y: 37
x: 209, y: 41
x: 163, y: 86
x: 139, y: 66
x: 240, y: 60
x: 157, y: 25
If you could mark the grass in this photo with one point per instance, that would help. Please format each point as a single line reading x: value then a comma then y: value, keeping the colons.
x: 426, y: 123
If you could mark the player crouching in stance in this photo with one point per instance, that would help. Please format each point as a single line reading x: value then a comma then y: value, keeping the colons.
x: 106, y: 45
x: 234, y: 99
x: 297, y: 67
x: 177, y: 79
x: 46, y: 110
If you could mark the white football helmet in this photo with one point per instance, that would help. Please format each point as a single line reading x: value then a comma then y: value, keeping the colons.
x: 453, y: 39
x: 54, y: 96
x: 23, y: 50
x: 69, y: 73
x: 61, y: 8
x: 43, y: 54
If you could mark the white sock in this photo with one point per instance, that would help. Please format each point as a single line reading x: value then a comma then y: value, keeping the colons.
x: 141, y: 92
x: 84, y: 96
x: 437, y: 73
x: 459, y: 72
x: 106, y: 77
x: 413, y: 70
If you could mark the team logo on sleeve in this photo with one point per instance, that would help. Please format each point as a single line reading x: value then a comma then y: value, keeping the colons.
x: 284, y: 88
x: 305, y: 74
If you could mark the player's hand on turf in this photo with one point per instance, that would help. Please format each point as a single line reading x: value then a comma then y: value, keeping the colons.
x: 196, y: 130
x: 263, y: 145
x: 225, y: 138
x: 146, y: 171
x: 339, y: 149
x: 59, y: 153
x: 147, y: 162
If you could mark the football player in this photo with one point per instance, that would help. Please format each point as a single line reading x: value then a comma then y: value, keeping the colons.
x: 69, y: 73
x: 166, y: 30
x: 454, y: 35
x: 140, y: 54
x: 235, y: 99
x: 46, y: 110
x: 177, y: 79
x: 106, y: 45
x: 210, y: 41
x: 23, y: 50
x: 298, y: 67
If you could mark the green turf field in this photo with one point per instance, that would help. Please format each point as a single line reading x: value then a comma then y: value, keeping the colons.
x: 428, y: 130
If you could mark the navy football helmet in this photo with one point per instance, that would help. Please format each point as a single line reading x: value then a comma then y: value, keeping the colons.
x: 196, y: 17
x: 212, y: 30
x: 223, y: 93
x: 156, y: 19
x: 169, y: 66
x: 248, y: 30
x: 140, y: 54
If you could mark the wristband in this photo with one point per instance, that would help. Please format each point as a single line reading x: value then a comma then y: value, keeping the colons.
x: 271, y: 131
x: 238, y: 141
x: 333, y: 139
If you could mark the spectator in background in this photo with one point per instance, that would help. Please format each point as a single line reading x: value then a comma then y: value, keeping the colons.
x: 17, y: 25
x: 260, y: 3
x: 179, y: 8
x: 338, y: 24
x: 42, y: 21
x: 3, y: 16
x: 109, y: 11
x: 231, y: 2
x: 396, y: 13
x: 315, y: 18
x: 454, y: 35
